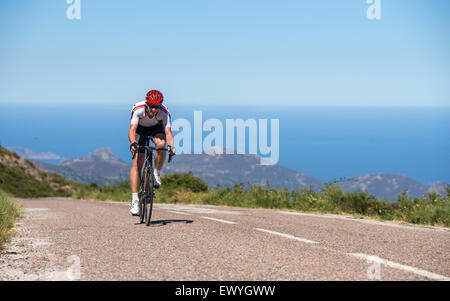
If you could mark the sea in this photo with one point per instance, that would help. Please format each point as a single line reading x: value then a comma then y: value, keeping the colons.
x: 324, y: 142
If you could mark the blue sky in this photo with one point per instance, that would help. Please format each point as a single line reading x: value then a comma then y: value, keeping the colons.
x: 293, y: 53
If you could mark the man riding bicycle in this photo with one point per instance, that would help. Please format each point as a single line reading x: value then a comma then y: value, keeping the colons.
x: 148, y: 118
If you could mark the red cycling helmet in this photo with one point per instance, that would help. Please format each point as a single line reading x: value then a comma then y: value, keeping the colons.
x: 154, y: 97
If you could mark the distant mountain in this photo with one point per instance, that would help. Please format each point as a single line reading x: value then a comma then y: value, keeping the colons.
x: 99, y: 167
x: 229, y: 169
x: 439, y: 187
x: 386, y: 186
x: 31, y: 155
x: 102, y: 166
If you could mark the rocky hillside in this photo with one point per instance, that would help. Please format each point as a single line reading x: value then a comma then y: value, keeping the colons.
x: 21, y: 178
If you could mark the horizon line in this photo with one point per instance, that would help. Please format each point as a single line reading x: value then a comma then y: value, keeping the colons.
x: 83, y: 105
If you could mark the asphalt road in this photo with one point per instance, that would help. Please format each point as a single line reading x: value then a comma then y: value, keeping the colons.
x: 65, y: 239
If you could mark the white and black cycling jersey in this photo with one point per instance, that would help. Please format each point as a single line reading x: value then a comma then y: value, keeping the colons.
x: 138, y: 116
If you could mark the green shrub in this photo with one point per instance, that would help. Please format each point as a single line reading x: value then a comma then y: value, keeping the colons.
x: 180, y: 188
x: 431, y: 209
x: 183, y: 182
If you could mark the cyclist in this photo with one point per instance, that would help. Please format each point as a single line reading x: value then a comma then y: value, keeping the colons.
x: 149, y: 118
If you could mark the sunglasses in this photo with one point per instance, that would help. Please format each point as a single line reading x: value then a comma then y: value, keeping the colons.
x: 153, y: 106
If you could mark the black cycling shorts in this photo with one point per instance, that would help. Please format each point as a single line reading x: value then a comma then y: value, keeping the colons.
x: 143, y: 132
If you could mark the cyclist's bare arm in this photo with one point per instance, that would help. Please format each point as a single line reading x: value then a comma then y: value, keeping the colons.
x: 169, y: 136
x: 132, y: 133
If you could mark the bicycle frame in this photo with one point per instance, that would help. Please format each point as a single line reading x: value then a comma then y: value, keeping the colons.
x: 146, y: 195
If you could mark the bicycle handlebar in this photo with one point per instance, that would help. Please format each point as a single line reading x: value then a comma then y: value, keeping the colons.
x: 151, y: 148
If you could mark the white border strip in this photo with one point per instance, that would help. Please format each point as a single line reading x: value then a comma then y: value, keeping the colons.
x: 287, y: 236
x: 219, y: 220
x: 376, y: 259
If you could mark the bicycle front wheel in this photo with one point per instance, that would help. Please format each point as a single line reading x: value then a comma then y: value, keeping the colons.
x: 142, y: 212
x: 150, y: 196
x: 143, y: 199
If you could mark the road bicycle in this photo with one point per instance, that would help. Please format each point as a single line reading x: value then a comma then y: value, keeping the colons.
x: 147, y: 186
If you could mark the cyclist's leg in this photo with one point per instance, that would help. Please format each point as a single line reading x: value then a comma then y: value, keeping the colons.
x: 134, y: 173
x: 134, y: 183
x: 159, y: 139
x: 138, y: 160
x: 160, y: 156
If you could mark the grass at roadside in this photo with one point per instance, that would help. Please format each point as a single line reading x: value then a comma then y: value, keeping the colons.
x: 8, y: 214
x: 119, y: 192
x: 431, y: 209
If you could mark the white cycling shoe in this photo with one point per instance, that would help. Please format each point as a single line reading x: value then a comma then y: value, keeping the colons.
x: 134, y: 210
x: 157, y: 178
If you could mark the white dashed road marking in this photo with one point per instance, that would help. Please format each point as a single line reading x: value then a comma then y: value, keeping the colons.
x: 197, y: 209
x: 369, y: 258
x: 219, y: 220
x: 376, y: 259
x: 287, y: 236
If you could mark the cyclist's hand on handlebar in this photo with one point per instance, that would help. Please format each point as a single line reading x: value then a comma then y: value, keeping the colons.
x: 133, y: 148
x: 171, y: 150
